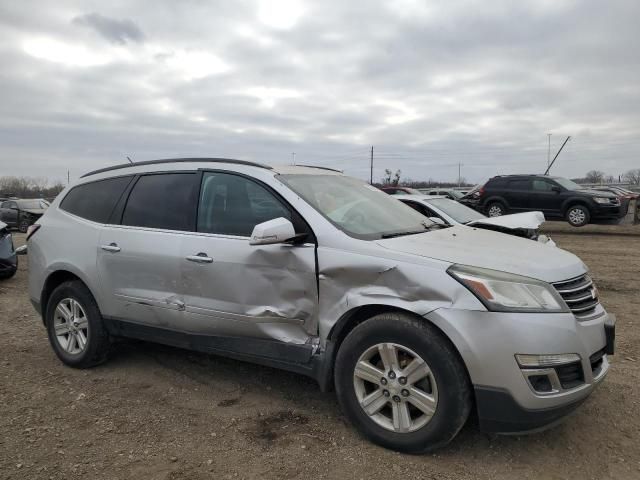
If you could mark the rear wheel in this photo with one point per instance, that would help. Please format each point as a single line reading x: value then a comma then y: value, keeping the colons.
x: 578, y: 215
x: 401, y: 383
x: 75, y: 327
x: 496, y: 209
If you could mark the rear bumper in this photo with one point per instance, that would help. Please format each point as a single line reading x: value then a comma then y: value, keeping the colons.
x: 498, y: 412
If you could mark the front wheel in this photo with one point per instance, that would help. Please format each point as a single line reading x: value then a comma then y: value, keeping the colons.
x: 402, y: 384
x: 578, y: 215
x: 23, y: 226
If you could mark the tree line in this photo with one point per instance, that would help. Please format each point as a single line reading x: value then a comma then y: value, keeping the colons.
x: 29, y: 187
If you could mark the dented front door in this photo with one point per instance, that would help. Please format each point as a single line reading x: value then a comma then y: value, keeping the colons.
x: 235, y: 289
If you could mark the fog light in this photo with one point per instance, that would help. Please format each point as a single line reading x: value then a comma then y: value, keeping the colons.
x: 537, y: 361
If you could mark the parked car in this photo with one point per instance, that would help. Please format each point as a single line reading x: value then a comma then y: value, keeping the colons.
x: 556, y: 197
x: 450, y: 212
x: 619, y: 191
x: 400, y: 191
x: 318, y: 273
x: 8, y: 257
x: 22, y: 213
x: 443, y: 192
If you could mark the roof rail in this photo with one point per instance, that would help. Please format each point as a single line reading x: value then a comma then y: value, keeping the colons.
x: 177, y: 160
x: 321, y: 168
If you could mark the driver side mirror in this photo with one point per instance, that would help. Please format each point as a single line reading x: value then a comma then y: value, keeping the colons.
x: 437, y: 220
x: 556, y: 189
x: 278, y: 230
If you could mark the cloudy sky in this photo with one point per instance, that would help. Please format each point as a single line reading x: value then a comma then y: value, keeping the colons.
x: 428, y: 84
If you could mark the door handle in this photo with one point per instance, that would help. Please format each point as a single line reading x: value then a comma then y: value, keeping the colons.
x: 112, y: 247
x: 200, y: 258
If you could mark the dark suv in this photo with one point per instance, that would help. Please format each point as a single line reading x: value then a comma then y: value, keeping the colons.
x: 556, y: 197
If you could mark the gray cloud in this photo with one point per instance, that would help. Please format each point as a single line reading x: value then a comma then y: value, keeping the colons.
x: 429, y: 85
x: 115, y: 31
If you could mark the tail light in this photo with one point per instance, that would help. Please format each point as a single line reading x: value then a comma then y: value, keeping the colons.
x: 32, y: 229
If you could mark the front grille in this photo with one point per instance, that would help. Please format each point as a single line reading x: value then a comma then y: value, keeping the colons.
x: 570, y: 375
x: 580, y: 294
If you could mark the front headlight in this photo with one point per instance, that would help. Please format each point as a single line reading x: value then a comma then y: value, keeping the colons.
x: 506, y: 292
x: 602, y: 200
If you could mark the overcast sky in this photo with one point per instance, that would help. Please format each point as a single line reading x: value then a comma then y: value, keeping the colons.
x: 429, y: 84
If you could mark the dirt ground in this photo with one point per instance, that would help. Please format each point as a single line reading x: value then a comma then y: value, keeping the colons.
x: 155, y: 412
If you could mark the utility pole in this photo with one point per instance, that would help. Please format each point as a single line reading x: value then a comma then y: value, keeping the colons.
x: 549, y: 150
x: 293, y: 158
x: 554, y: 158
x: 68, y: 177
x: 371, y: 178
x: 459, y: 175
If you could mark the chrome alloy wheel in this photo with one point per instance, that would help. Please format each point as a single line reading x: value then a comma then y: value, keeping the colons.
x: 577, y: 216
x: 395, y: 387
x: 71, y: 326
x: 495, y: 211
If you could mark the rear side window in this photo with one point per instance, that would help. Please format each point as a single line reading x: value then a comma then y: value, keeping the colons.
x: 520, y: 184
x: 233, y: 205
x: 163, y: 201
x: 95, y: 201
x: 496, y: 183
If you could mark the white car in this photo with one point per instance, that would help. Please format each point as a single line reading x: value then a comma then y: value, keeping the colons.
x: 445, y: 211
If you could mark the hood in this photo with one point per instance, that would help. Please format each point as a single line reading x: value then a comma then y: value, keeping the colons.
x: 483, y: 248
x: 597, y: 193
x: 527, y: 220
x: 34, y: 211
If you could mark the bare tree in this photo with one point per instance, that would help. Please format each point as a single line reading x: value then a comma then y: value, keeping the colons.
x: 29, y: 187
x: 391, y: 178
x: 594, y: 176
x: 632, y: 176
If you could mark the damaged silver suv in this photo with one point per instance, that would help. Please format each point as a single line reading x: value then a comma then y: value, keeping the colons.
x: 309, y: 270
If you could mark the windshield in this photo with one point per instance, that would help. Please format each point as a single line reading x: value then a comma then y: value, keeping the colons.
x: 35, y: 204
x: 358, y: 209
x: 460, y: 213
x: 568, y: 184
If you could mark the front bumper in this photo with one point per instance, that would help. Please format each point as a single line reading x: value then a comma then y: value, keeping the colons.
x: 505, y: 396
x: 609, y: 212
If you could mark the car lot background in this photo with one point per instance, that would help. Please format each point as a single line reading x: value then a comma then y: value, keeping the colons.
x: 154, y: 412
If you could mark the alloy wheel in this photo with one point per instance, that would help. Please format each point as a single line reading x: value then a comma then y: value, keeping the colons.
x: 395, y: 387
x: 71, y: 326
x: 495, y: 211
x: 577, y: 216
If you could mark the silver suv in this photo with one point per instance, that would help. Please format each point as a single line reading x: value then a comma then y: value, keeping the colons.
x: 309, y: 270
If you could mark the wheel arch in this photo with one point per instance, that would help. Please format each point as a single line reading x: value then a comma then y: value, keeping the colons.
x: 572, y: 201
x: 53, y: 280
x: 355, y: 317
x: 495, y: 199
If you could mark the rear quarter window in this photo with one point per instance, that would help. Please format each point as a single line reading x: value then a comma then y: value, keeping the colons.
x: 95, y: 200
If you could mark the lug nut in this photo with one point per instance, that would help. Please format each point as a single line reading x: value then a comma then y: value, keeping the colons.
x: 405, y: 392
x: 392, y: 374
x: 402, y: 380
x: 396, y: 398
x: 386, y: 393
x: 383, y: 381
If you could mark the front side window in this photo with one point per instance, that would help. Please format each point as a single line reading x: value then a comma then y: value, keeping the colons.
x: 163, y: 200
x: 358, y: 209
x: 568, y: 184
x: 94, y: 201
x: 233, y: 205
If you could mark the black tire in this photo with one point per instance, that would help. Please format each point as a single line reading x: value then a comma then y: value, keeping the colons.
x: 23, y: 225
x: 496, y: 207
x: 98, y: 341
x: 578, y: 215
x: 454, y: 389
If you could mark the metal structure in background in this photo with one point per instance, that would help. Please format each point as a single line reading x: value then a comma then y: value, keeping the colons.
x: 554, y: 158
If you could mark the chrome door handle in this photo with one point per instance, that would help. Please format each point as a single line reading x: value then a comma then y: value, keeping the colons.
x: 112, y: 247
x: 200, y: 258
